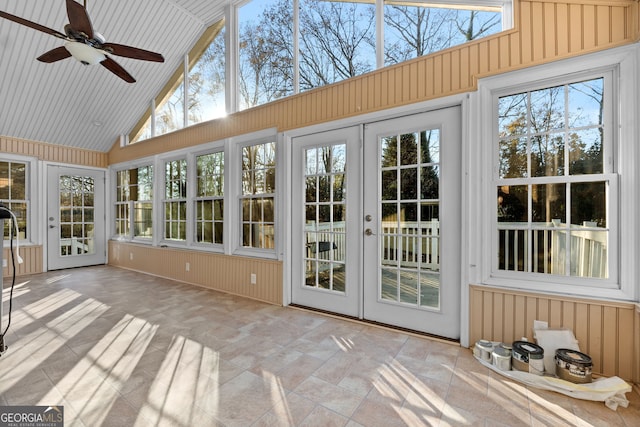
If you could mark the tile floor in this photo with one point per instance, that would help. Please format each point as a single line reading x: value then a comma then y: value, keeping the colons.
x: 119, y: 348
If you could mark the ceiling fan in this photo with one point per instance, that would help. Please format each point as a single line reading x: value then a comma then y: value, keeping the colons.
x: 85, y: 44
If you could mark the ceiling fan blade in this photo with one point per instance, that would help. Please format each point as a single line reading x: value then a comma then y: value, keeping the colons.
x: 116, y: 69
x: 79, y: 18
x: 132, y: 52
x: 54, y: 55
x: 30, y: 24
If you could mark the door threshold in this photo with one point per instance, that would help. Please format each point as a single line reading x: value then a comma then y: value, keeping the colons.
x: 386, y: 326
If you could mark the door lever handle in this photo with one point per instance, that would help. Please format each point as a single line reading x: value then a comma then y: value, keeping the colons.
x: 368, y: 232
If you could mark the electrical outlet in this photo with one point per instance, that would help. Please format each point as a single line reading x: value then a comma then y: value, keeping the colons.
x: 187, y: 267
x: 131, y: 256
x: 254, y: 279
x: 4, y: 263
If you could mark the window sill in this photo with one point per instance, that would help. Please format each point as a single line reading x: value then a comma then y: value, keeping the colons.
x: 583, y: 290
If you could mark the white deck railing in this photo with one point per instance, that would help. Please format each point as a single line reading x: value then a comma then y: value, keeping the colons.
x: 410, y: 245
x: 587, y: 249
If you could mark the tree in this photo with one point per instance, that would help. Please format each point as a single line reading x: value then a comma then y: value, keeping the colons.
x: 418, y: 31
x: 468, y: 21
x: 208, y: 76
x: 536, y: 128
x: 335, y: 39
x: 411, y: 175
x: 337, y: 42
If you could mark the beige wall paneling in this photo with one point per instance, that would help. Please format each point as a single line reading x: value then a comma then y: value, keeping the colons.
x: 53, y: 153
x: 607, y: 331
x: 230, y: 274
x: 32, y: 256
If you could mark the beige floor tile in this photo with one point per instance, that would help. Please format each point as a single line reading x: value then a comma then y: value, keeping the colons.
x: 330, y: 396
x: 290, y: 412
x: 245, y: 399
x: 323, y: 417
x: 120, y: 348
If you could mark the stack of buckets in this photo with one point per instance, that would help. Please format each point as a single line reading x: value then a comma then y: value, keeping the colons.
x: 571, y: 365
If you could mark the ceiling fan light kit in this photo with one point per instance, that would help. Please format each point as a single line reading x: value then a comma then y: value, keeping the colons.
x: 86, y: 54
x: 86, y: 45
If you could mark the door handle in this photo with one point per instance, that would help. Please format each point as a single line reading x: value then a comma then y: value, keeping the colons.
x: 368, y: 232
x: 52, y: 226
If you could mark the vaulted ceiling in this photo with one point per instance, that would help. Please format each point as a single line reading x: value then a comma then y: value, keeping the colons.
x: 88, y: 107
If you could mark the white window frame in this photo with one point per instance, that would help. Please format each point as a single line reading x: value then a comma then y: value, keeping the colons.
x: 622, y: 64
x: 114, y: 197
x: 235, y: 195
x: 161, y: 228
x: 218, y: 147
x: 32, y: 175
x: 232, y: 148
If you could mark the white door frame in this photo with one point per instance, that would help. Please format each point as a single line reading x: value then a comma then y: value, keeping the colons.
x: 51, y: 226
x: 469, y: 121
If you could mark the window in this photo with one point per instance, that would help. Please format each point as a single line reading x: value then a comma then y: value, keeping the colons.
x: 554, y: 190
x: 337, y: 41
x: 134, y: 202
x: 207, y: 76
x: 142, y: 130
x: 170, y: 112
x: 209, y: 201
x: 280, y: 53
x: 257, y: 200
x: 206, y: 90
x: 412, y: 30
x: 265, y: 52
x: 14, y: 195
x: 175, y: 203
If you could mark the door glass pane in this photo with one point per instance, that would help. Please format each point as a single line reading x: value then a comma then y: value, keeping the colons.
x: 76, y: 215
x: 410, y: 228
x: 325, y: 223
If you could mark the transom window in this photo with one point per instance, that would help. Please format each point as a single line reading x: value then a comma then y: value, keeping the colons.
x: 554, y: 189
x: 278, y: 53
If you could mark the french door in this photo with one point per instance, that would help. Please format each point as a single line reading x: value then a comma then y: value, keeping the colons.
x: 325, y: 199
x: 75, y: 217
x: 412, y: 196
x: 376, y: 226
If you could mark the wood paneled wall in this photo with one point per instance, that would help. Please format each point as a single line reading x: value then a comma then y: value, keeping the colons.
x: 544, y: 31
x: 53, y: 153
x: 32, y: 256
x: 231, y: 274
x: 607, y: 331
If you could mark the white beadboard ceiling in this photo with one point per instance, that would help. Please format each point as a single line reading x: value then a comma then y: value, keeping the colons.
x: 67, y: 103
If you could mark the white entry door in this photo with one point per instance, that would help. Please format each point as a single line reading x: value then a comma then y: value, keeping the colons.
x: 412, y: 199
x: 325, y: 197
x: 75, y: 217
